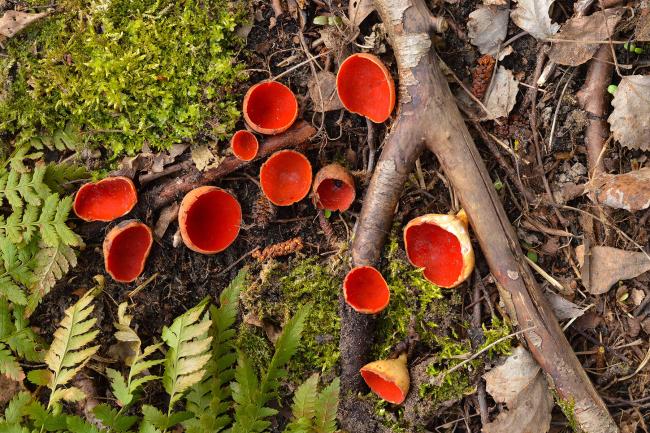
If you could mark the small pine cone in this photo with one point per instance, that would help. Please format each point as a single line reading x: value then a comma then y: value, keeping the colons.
x: 482, y: 75
x: 263, y: 212
x: 278, y: 250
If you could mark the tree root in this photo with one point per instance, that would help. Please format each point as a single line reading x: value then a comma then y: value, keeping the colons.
x: 428, y: 116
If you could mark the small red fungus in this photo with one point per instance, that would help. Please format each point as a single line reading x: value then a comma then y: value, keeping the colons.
x: 366, y: 87
x: 285, y: 177
x: 126, y: 248
x: 334, y: 188
x: 365, y: 290
x: 105, y: 200
x: 441, y: 245
x: 270, y: 107
x: 244, y: 145
x: 388, y: 378
x: 209, y: 219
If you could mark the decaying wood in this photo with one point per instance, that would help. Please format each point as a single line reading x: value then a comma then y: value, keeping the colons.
x: 156, y: 198
x: 428, y: 116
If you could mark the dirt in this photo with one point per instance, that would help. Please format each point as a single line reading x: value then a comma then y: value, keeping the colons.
x: 183, y: 278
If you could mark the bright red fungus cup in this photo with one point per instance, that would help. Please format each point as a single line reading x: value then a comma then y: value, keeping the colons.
x: 270, y: 107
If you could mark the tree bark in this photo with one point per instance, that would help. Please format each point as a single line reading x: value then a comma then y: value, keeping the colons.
x: 428, y: 116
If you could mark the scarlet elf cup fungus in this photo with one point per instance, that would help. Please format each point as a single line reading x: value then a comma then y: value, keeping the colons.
x: 244, y: 145
x: 126, y: 248
x: 334, y: 188
x: 441, y: 245
x: 270, y: 107
x: 209, y: 219
x: 388, y: 378
x: 286, y: 177
x: 106, y: 200
x: 365, y: 290
x: 366, y: 87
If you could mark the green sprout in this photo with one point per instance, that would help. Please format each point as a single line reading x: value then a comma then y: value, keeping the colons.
x: 612, y: 88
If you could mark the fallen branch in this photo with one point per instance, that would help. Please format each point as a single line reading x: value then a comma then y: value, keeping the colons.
x: 428, y: 116
x: 164, y: 194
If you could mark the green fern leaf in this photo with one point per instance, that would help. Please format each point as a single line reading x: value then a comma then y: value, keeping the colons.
x: 147, y: 427
x: 112, y: 419
x: 188, y: 351
x: 304, y: 399
x: 9, y: 365
x: 51, y: 264
x: 44, y: 420
x: 10, y: 290
x: 209, y: 399
x: 25, y: 343
x: 15, y: 410
x: 69, y: 351
x: 58, y: 175
x: 78, y: 425
x: 162, y: 421
x: 326, y: 408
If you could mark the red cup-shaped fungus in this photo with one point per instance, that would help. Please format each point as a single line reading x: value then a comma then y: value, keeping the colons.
x: 286, y: 177
x: 334, y: 188
x: 106, y: 200
x: 365, y: 290
x: 209, y: 219
x: 388, y: 378
x: 244, y: 145
x: 441, y: 245
x: 270, y: 107
x: 126, y: 248
x: 366, y: 87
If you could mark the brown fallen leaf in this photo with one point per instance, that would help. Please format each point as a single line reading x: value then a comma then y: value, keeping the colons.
x: 642, y: 31
x: 502, y: 95
x: 487, y: 28
x: 532, y: 16
x: 563, y: 309
x: 14, y: 21
x: 8, y: 388
x: 168, y: 215
x: 630, y: 119
x: 598, y: 26
x: 606, y: 266
x: 629, y: 191
x: 327, y: 83
x: 358, y: 10
x: 520, y: 384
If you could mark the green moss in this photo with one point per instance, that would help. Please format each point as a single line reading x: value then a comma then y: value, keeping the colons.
x: 282, y: 290
x: 128, y: 72
x: 253, y: 343
x: 568, y: 408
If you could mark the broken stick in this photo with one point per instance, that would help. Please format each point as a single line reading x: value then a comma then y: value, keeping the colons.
x: 428, y: 116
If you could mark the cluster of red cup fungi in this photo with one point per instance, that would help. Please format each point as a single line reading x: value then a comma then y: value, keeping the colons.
x: 210, y: 218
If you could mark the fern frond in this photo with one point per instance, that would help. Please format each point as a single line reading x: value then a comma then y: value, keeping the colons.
x: 188, y: 351
x: 15, y: 410
x: 44, y: 420
x: 163, y: 421
x: 304, y: 402
x: 58, y: 175
x: 9, y: 365
x: 112, y: 419
x: 69, y: 351
x: 326, y: 407
x: 77, y: 425
x: 209, y: 399
x: 25, y: 187
x: 68, y: 138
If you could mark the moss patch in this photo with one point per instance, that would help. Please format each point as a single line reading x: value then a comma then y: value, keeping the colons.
x: 282, y: 289
x: 127, y: 72
x: 254, y: 344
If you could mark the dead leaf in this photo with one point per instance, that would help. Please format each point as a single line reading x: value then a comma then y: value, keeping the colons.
x: 532, y: 16
x: 14, y: 21
x: 8, y: 388
x: 630, y: 119
x: 642, y: 32
x: 502, y: 96
x: 629, y: 191
x: 496, y: 2
x: 204, y: 158
x: 598, y: 26
x: 327, y: 83
x: 606, y: 266
x: 358, y: 10
x: 168, y: 215
x: 487, y: 28
x: 520, y: 384
x: 563, y: 308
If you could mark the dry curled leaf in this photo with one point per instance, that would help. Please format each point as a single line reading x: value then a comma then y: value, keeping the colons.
x: 502, y: 96
x: 324, y: 84
x: 204, y: 158
x: 642, y: 31
x: 358, y: 10
x: 487, y: 28
x: 606, y: 266
x: 630, y: 119
x: 532, y: 16
x: 14, y: 21
x: 520, y: 384
x: 598, y: 26
x: 629, y: 191
x: 563, y: 308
